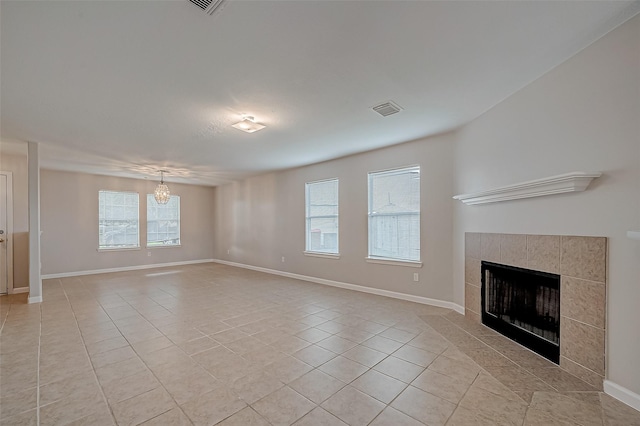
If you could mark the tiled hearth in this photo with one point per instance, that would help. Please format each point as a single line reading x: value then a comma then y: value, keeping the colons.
x: 581, y: 263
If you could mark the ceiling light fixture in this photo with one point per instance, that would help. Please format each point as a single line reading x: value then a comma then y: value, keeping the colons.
x: 162, y: 194
x: 248, y: 125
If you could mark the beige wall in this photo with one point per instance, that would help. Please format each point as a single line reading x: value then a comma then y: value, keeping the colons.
x: 69, y: 223
x: 582, y: 116
x: 261, y: 219
x: 17, y: 164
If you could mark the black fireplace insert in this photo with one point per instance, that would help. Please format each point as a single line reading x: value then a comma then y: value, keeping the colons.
x: 523, y: 305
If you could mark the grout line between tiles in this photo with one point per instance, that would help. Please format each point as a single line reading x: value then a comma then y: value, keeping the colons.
x: 38, y: 369
x: 4, y: 320
x: 147, y: 367
x: 95, y: 376
x: 583, y: 323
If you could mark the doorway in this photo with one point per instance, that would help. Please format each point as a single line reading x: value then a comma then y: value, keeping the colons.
x: 6, y: 231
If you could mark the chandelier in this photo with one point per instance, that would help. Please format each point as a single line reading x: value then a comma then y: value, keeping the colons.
x: 162, y: 194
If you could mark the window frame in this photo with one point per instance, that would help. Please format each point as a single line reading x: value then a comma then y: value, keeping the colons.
x: 372, y: 258
x: 120, y: 248
x: 308, y: 217
x: 151, y: 196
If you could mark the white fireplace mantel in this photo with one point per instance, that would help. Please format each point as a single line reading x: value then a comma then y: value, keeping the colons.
x: 568, y: 182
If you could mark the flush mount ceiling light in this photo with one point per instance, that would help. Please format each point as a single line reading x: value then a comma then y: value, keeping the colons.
x: 248, y: 125
x: 162, y: 193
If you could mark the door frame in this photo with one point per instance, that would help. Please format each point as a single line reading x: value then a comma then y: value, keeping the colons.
x: 9, y: 230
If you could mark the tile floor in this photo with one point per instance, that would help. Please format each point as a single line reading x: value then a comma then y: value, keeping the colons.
x: 211, y: 344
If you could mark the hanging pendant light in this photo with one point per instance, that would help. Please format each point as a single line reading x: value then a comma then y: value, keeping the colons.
x: 162, y: 193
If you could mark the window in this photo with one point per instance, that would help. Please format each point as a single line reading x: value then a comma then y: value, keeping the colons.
x: 322, y: 216
x: 394, y: 214
x: 163, y: 222
x: 118, y: 220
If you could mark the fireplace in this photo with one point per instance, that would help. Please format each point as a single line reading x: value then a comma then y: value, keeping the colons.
x: 523, y: 305
x: 581, y: 264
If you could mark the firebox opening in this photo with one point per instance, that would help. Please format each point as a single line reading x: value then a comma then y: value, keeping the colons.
x: 523, y: 305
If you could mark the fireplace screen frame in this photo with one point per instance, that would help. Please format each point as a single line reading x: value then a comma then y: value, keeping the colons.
x: 538, y: 344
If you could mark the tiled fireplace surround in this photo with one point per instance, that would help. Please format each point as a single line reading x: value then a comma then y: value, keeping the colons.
x: 581, y: 263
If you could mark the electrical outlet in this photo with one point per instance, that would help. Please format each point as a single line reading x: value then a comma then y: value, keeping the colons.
x: 228, y: 251
x: 149, y: 253
x: 282, y: 259
x: 416, y: 277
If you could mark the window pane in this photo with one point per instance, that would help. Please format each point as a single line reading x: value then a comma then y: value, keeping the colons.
x: 118, y: 219
x: 323, y: 235
x: 394, y: 214
x: 163, y: 222
x: 322, y: 216
x: 117, y: 212
x: 117, y: 198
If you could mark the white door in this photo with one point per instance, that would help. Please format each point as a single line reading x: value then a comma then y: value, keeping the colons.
x: 4, y: 272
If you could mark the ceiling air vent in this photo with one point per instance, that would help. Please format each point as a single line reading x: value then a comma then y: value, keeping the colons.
x: 209, y: 6
x: 387, y: 108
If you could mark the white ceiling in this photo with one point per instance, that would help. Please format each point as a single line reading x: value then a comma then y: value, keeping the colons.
x: 130, y: 87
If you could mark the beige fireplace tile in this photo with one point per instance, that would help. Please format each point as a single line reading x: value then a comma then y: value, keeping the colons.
x: 584, y: 301
x: 490, y: 247
x: 517, y: 379
x: 566, y: 408
x: 473, y: 316
x: 472, y: 271
x: 472, y: 244
x: 543, y: 253
x: 472, y: 298
x: 582, y: 344
x: 561, y: 380
x: 580, y: 372
x: 584, y: 257
x: 513, y: 250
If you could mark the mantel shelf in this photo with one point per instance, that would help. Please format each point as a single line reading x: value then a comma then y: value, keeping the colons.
x: 568, y: 182
x: 634, y: 235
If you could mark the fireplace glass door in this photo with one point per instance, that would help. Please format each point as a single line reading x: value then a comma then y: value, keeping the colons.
x: 524, y: 305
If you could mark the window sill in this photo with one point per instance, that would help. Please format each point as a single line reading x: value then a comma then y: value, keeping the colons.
x: 394, y: 262
x: 164, y: 246
x: 118, y: 249
x: 324, y: 255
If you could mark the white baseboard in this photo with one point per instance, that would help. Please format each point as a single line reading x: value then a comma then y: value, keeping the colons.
x: 124, y: 269
x: 620, y: 393
x: 19, y: 290
x: 458, y: 308
x: 35, y: 299
x: 363, y: 289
